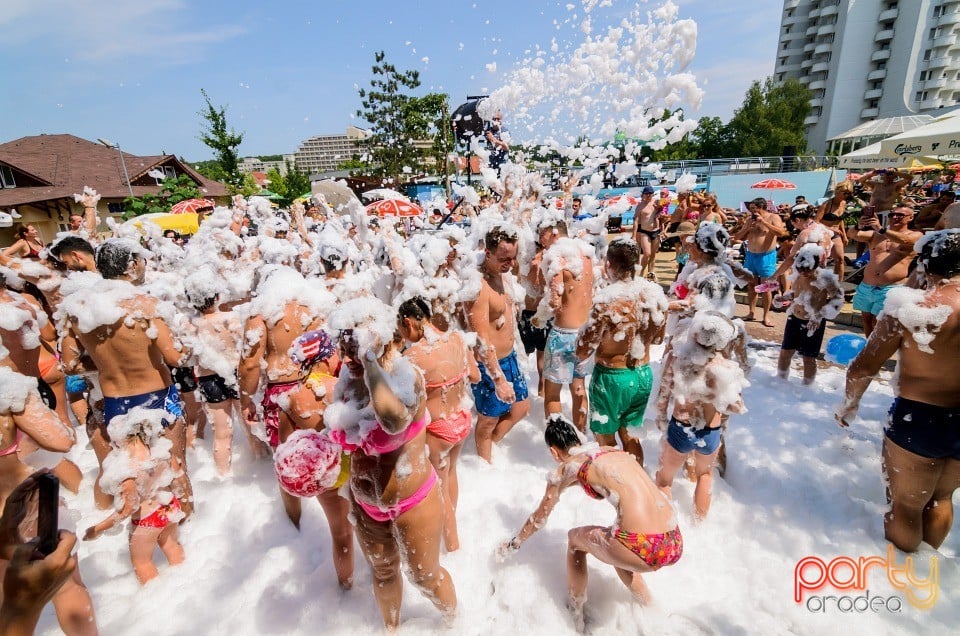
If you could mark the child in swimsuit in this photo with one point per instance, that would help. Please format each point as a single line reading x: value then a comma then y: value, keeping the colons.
x: 645, y: 537
x: 138, y: 473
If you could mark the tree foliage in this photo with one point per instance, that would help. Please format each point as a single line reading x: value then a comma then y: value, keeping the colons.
x: 770, y: 118
x: 289, y: 186
x: 223, y: 140
x: 398, y: 119
x: 172, y: 190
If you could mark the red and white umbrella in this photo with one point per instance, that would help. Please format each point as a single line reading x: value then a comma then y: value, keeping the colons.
x: 631, y: 201
x: 774, y: 184
x: 394, y: 207
x: 192, y: 206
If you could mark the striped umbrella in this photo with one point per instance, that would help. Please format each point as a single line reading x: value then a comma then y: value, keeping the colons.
x: 394, y: 207
x: 773, y: 184
x: 192, y: 206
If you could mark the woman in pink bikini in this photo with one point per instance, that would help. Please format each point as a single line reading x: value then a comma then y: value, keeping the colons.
x: 446, y: 363
x: 645, y: 536
x: 379, y: 415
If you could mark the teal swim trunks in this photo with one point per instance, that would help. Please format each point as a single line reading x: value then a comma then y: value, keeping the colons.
x: 618, y: 397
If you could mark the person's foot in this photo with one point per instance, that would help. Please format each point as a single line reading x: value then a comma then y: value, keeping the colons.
x: 575, y: 605
x: 749, y: 317
x: 766, y: 322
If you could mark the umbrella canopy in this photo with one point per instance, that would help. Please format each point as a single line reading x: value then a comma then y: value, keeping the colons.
x: 337, y: 193
x: 394, y: 207
x: 184, y: 223
x: 192, y: 206
x: 384, y: 194
x: 871, y: 157
x: 939, y: 137
x: 267, y: 194
x: 774, y: 184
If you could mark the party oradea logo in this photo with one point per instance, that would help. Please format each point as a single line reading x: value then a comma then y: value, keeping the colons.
x: 814, y: 579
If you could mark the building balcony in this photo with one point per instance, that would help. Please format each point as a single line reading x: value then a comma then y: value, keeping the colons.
x: 884, y: 36
x: 789, y: 68
x: 945, y: 40
x: 806, y: 64
x: 817, y: 85
x: 873, y: 93
x: 949, y: 18
x: 952, y: 84
x: 880, y: 55
x: 939, y: 82
x: 828, y: 11
x: 820, y: 67
x: 888, y: 15
x: 816, y: 101
x: 827, y: 29
x: 790, y: 4
x: 792, y: 20
x: 814, y: 14
x: 878, y: 74
x: 812, y: 29
x: 932, y: 103
x: 824, y: 47
x: 811, y: 119
x: 869, y: 113
x: 809, y: 47
x: 940, y: 62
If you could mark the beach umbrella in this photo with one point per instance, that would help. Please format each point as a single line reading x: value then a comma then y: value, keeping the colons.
x: 773, y: 184
x: 184, y: 223
x: 337, y: 193
x: 622, y: 199
x: 394, y: 207
x: 192, y: 206
x: 384, y: 194
x: 267, y: 194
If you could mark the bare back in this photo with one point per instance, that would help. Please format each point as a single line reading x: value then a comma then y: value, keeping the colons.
x: 641, y: 506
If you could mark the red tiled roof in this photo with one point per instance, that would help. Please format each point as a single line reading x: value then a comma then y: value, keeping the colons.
x: 66, y: 163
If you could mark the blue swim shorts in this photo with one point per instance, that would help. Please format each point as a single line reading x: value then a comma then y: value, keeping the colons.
x: 485, y: 392
x: 167, y: 400
x: 685, y: 438
x: 560, y: 363
x: 76, y: 384
x: 869, y: 298
x: 761, y: 265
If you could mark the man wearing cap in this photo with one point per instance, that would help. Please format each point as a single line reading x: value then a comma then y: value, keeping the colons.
x: 760, y: 231
x: 891, y: 249
x: 646, y: 230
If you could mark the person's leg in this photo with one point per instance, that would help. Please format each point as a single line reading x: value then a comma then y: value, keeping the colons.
x: 539, y: 356
x: 221, y: 415
x: 599, y: 542
x: 74, y: 607
x: 79, y: 407
x: 97, y: 434
x: 631, y: 444
x: 869, y: 322
x: 142, y: 543
x: 809, y: 369
x: 767, y: 303
x: 703, y: 464
x: 518, y: 411
x: 194, y: 417
x: 551, y: 398
x: 578, y: 391
x: 69, y: 475
x: 337, y: 510
x: 181, y: 486
x: 670, y: 461
x: 938, y: 513
x: 383, y: 554
x: 440, y: 458
x: 911, y: 483
x: 752, y: 299
x: 645, y: 252
x: 418, y: 532
x: 169, y: 542
x: 483, y: 435
x: 783, y: 363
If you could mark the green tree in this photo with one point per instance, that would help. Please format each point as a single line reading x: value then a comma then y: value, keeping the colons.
x: 770, y: 118
x: 172, y: 190
x: 427, y: 117
x: 386, y: 107
x: 711, y: 139
x: 222, y: 139
x: 277, y: 184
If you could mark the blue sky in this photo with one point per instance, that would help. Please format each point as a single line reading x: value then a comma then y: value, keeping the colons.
x: 132, y: 72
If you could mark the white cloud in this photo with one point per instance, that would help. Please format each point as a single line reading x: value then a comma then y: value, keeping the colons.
x: 100, y: 30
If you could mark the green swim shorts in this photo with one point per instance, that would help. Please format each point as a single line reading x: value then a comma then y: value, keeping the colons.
x: 618, y: 397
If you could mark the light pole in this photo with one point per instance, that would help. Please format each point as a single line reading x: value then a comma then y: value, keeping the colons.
x: 123, y: 163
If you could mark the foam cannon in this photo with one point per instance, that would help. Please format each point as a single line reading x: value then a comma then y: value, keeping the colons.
x: 466, y: 121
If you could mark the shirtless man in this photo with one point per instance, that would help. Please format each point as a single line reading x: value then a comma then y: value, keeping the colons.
x: 628, y: 316
x: 534, y: 339
x: 929, y: 215
x: 501, y: 395
x: 921, y: 447
x: 646, y: 230
x: 891, y: 249
x: 884, y: 191
x: 132, y: 353
x: 569, y: 292
x: 761, y: 231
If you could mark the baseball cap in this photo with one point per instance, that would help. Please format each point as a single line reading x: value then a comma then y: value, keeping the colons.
x: 648, y: 190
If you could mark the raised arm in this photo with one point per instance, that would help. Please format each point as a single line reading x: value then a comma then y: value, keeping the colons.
x: 394, y: 415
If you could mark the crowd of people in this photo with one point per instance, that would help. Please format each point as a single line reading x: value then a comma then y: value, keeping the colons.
x: 361, y: 355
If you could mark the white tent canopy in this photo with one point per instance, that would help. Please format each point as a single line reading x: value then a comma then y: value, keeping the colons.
x: 872, y: 158
x: 939, y: 138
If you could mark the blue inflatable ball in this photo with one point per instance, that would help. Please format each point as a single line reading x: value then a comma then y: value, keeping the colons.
x: 844, y: 347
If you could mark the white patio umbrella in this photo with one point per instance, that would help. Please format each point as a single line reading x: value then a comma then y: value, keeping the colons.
x: 872, y: 158
x: 383, y: 194
x: 940, y: 137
